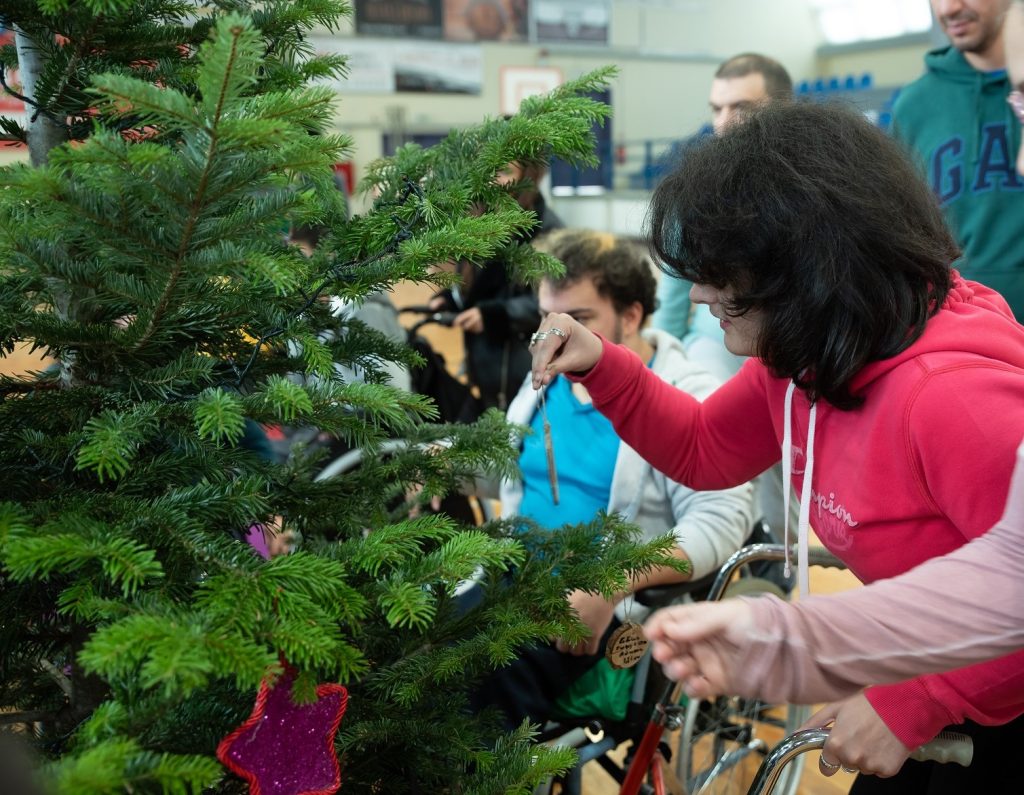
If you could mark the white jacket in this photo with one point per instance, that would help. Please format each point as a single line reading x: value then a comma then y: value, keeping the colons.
x: 708, y: 525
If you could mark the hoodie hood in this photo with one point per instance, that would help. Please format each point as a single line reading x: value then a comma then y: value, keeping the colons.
x: 948, y: 63
x: 973, y: 321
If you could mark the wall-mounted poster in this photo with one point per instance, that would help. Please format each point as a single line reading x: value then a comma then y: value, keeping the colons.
x: 384, y: 66
x: 371, y: 64
x: 486, y: 20
x: 584, y: 21
x: 439, y: 68
x: 419, y: 18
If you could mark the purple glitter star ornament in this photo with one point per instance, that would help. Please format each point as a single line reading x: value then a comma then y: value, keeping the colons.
x: 284, y: 748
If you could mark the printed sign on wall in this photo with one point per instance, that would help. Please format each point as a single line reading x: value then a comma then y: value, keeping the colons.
x: 439, y: 68
x: 585, y: 21
x: 486, y: 20
x: 417, y: 18
x: 384, y: 66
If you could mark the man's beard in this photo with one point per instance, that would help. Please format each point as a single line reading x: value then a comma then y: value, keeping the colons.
x: 984, y: 38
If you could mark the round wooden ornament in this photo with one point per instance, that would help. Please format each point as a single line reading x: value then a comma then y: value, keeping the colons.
x: 626, y: 645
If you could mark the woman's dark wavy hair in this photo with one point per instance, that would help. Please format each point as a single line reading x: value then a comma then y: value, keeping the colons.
x: 819, y: 221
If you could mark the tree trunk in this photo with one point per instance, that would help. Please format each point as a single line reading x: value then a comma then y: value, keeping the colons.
x: 43, y: 132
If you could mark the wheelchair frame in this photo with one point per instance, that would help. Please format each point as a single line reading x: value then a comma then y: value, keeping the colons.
x: 667, y: 715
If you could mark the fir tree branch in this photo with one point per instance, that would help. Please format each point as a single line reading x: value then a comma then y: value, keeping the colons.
x: 404, y: 232
x: 81, y: 46
x: 197, y: 202
x: 8, y: 90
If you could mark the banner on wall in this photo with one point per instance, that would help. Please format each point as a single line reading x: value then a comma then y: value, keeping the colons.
x: 385, y: 66
x: 584, y: 21
x: 421, y: 19
x: 439, y: 69
x: 486, y: 20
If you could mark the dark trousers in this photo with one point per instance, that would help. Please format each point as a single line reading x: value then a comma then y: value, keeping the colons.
x: 995, y: 770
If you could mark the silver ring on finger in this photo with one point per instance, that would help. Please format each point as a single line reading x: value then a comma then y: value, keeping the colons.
x: 828, y: 768
x: 850, y: 769
x: 538, y: 336
x: 557, y: 332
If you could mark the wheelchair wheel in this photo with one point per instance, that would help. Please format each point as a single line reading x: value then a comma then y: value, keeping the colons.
x: 723, y: 741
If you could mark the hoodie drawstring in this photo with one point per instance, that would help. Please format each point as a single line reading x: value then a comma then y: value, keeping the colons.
x: 803, y: 523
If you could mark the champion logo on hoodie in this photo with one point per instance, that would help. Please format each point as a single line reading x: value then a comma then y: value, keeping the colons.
x: 831, y: 520
x: 828, y: 504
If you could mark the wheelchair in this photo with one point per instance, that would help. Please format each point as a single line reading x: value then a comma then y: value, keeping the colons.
x: 948, y: 747
x: 710, y: 747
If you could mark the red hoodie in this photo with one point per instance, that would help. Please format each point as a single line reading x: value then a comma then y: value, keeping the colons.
x: 922, y: 467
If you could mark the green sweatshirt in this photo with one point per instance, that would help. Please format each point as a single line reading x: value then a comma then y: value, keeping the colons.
x: 963, y: 133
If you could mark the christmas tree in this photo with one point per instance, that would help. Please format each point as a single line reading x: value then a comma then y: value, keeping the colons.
x: 142, y: 251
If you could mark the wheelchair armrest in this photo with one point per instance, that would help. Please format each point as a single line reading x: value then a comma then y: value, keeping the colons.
x: 662, y: 595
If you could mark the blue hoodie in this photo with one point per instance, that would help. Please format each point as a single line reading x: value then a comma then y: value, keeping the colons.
x: 960, y: 128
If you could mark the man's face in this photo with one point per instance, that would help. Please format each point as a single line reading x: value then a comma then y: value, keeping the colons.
x: 584, y: 304
x: 733, y: 98
x: 972, y: 25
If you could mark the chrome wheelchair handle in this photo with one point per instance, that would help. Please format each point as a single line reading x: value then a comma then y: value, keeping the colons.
x: 947, y: 747
x: 817, y: 556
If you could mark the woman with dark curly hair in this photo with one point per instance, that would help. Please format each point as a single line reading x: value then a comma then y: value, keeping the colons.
x: 891, y: 389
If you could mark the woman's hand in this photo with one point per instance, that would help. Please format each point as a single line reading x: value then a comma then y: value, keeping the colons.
x: 860, y: 740
x: 562, y: 345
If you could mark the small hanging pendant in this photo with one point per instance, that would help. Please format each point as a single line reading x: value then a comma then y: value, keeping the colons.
x: 549, y: 448
x: 626, y: 645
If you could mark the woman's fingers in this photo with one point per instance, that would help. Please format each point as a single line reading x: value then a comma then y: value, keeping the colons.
x: 562, y: 345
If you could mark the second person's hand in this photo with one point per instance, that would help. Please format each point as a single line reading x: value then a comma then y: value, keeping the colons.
x: 562, y: 345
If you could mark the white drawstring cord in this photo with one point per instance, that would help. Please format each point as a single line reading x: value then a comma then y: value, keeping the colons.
x: 803, y: 523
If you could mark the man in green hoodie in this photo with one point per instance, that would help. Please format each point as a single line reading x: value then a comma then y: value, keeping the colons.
x: 957, y: 121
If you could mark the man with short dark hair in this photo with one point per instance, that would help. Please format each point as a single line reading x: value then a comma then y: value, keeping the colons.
x: 741, y: 84
x: 609, y: 287
x: 956, y: 120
